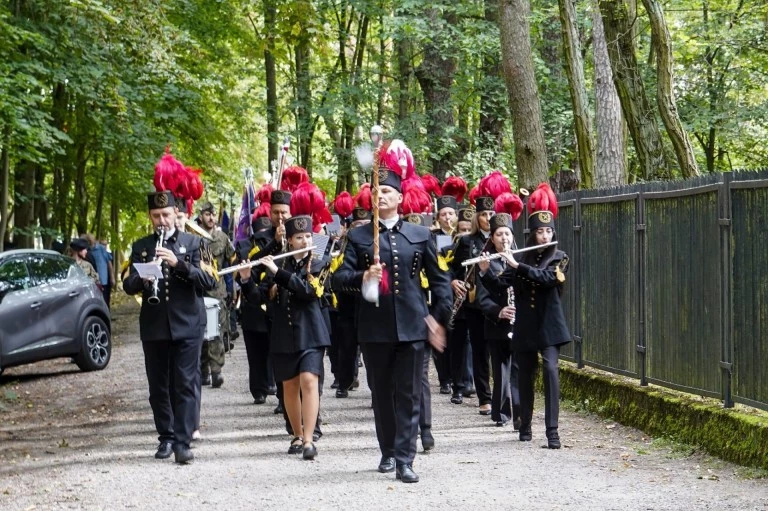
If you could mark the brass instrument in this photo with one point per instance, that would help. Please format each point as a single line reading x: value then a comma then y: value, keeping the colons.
x: 326, y: 272
x: 468, y: 285
x: 154, y: 299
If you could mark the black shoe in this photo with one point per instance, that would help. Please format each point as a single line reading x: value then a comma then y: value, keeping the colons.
x: 206, y: 379
x: 445, y: 388
x: 355, y: 385
x: 272, y: 391
x: 335, y: 384
x: 310, y: 451
x: 525, y: 433
x: 553, y: 439
x: 342, y: 393
x: 278, y: 409
x: 468, y: 392
x: 217, y: 380
x: 316, y: 436
x: 427, y: 440
x: 517, y: 423
x: 406, y: 474
x: 457, y: 399
x: 386, y: 465
x: 183, y: 454
x: 234, y: 335
x: 297, y: 445
x: 164, y: 450
x: 259, y: 400
x: 501, y: 423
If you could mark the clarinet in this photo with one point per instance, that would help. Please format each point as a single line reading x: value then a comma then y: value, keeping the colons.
x: 511, y: 303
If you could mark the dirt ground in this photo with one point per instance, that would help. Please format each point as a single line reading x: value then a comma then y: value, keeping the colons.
x: 71, y: 440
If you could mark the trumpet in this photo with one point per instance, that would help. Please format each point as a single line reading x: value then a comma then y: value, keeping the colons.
x: 154, y: 299
x: 496, y: 255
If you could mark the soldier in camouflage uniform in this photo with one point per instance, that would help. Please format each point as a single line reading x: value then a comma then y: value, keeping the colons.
x: 223, y: 254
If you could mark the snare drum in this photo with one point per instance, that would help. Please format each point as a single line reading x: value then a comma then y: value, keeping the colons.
x: 212, y: 318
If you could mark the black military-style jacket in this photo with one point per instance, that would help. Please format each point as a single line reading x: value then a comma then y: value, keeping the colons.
x: 254, y: 317
x: 406, y: 249
x: 181, y: 311
x: 492, y: 296
x: 298, y: 322
x: 540, y: 320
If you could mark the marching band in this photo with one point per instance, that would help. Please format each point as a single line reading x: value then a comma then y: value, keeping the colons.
x: 444, y: 278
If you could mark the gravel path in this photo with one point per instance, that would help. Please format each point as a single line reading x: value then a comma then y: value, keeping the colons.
x: 70, y: 440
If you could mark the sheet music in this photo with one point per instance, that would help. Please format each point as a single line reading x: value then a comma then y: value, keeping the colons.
x: 149, y: 270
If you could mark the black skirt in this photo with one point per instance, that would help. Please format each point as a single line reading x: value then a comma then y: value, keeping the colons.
x: 289, y: 365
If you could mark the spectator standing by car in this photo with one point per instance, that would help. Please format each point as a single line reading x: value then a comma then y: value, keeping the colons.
x: 79, y: 248
x: 103, y: 265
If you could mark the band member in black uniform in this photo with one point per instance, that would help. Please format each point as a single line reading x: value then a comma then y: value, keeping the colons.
x: 393, y: 344
x: 255, y: 322
x: 540, y: 326
x: 345, y: 328
x: 463, y: 284
x: 498, y: 306
x: 172, y: 322
x: 299, y: 332
x: 447, y: 209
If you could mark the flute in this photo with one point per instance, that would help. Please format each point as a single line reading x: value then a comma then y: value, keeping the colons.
x: 496, y: 255
x: 251, y: 264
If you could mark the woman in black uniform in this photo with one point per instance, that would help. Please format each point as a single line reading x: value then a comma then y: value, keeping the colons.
x: 498, y: 306
x: 299, y: 333
x: 540, y: 325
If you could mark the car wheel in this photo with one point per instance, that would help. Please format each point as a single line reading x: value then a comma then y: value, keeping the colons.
x: 95, y: 345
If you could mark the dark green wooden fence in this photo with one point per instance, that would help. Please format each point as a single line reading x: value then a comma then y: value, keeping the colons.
x: 668, y: 283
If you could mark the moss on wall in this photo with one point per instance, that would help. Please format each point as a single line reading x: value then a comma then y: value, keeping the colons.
x: 732, y: 434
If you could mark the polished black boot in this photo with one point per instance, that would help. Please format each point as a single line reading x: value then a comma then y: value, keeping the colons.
x: 406, y: 474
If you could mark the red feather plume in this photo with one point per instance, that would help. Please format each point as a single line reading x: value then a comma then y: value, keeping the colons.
x: 395, y: 156
x: 308, y: 199
x: 169, y: 172
x: 293, y: 177
x: 455, y: 187
x: 343, y: 204
x: 416, y: 199
x: 543, y: 199
x: 474, y: 193
x: 494, y: 184
x: 262, y: 210
x: 509, y: 203
x: 364, y: 197
x: 432, y: 185
x: 265, y: 193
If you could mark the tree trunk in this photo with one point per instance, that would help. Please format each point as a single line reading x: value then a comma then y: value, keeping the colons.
x: 629, y: 85
x: 114, y: 238
x: 610, y: 167
x: 380, y: 104
x: 575, y: 70
x: 517, y: 62
x: 100, y: 199
x: 5, y: 183
x: 41, y: 207
x: 24, y: 205
x: 304, y: 121
x: 493, y: 107
x: 665, y: 96
x: 273, y: 136
x: 435, y: 75
x: 402, y: 48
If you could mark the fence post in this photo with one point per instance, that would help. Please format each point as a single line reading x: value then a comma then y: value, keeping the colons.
x: 726, y: 272
x: 578, y: 338
x: 641, y: 304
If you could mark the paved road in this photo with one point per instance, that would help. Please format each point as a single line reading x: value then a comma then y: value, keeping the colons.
x: 70, y: 440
